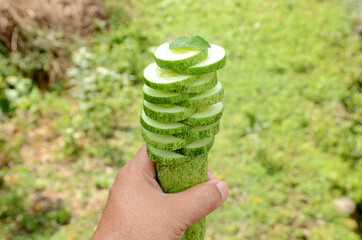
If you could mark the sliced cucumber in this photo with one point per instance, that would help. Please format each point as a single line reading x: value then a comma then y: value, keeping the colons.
x: 177, y: 59
x: 164, y: 157
x: 167, y: 112
x: 162, y: 96
x: 205, y: 115
x: 215, y: 60
x: 198, y: 147
x: 162, y: 128
x: 162, y: 79
x: 206, y: 98
x: 203, y: 83
x: 163, y: 142
x: 200, y: 132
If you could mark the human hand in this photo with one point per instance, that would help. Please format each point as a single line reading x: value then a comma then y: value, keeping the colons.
x: 137, y: 208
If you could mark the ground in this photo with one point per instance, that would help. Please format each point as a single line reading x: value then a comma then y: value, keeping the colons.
x: 290, y: 141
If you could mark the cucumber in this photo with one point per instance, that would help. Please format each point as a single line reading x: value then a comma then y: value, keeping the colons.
x: 162, y: 79
x: 203, y: 83
x: 177, y: 178
x: 206, y: 98
x: 200, y: 132
x: 162, y: 96
x: 205, y: 115
x: 164, y: 157
x: 163, y: 142
x: 167, y: 112
x: 177, y: 59
x: 198, y: 147
x: 215, y: 60
x: 162, y: 128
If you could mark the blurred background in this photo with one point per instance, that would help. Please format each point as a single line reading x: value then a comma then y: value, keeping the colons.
x: 290, y: 145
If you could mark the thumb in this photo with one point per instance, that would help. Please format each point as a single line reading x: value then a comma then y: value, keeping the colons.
x: 196, y: 202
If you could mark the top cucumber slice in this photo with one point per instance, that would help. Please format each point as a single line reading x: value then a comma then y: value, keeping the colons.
x: 203, y: 83
x: 162, y: 79
x: 177, y: 59
x: 162, y: 96
x: 162, y: 128
x: 215, y: 60
x: 206, y: 98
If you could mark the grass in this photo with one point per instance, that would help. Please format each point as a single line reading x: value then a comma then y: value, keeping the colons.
x: 290, y: 139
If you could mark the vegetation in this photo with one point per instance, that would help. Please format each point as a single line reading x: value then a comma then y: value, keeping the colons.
x: 291, y: 146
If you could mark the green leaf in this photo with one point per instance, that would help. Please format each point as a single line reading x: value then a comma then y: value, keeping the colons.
x: 195, y: 41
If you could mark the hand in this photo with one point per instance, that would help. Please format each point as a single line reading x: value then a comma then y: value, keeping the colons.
x: 137, y: 208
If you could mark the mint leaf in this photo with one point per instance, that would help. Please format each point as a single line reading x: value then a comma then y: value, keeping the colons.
x: 195, y: 41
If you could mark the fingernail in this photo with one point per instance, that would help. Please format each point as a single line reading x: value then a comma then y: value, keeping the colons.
x: 224, y: 190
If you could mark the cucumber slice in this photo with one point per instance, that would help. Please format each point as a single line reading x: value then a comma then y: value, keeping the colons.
x: 162, y: 96
x: 215, y: 60
x: 206, y: 98
x: 162, y: 79
x: 177, y: 59
x: 162, y: 128
x: 167, y: 112
x: 200, y: 132
x: 198, y: 147
x: 203, y: 83
x: 164, y: 157
x: 206, y: 115
x: 163, y: 142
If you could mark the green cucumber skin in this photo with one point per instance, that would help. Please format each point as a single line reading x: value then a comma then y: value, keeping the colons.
x: 159, y: 160
x: 202, y: 88
x: 163, y: 100
x: 177, y: 178
x: 176, y: 86
x: 180, y: 65
x: 196, y: 151
x: 168, y: 117
x: 203, y: 121
x: 195, y: 231
x: 172, y: 131
x: 202, y: 70
x: 196, y: 135
x: 210, y: 100
x: 164, y: 146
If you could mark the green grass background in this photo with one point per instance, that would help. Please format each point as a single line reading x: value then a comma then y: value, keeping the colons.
x: 290, y: 140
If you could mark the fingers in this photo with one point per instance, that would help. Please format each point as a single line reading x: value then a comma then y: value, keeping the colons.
x: 141, y: 162
x: 195, y: 203
x: 210, y: 176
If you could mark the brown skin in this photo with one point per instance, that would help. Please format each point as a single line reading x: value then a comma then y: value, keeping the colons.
x: 137, y: 208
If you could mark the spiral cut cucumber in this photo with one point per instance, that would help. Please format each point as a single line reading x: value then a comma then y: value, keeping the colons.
x: 181, y: 115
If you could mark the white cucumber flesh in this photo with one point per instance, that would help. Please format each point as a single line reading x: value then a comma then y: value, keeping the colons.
x: 215, y: 60
x: 162, y: 96
x: 203, y: 83
x: 163, y: 142
x: 206, y: 98
x: 162, y: 79
x: 165, y: 157
x: 177, y: 59
x: 205, y: 115
x: 198, y: 147
x: 162, y: 128
x: 200, y: 132
x: 167, y: 112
